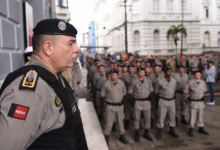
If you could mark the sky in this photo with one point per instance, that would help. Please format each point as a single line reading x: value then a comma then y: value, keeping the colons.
x: 82, y: 13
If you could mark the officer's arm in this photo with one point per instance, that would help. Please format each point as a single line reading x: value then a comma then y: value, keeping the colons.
x: 21, y: 114
x: 103, y: 91
x: 124, y: 91
x: 186, y: 89
x: 151, y: 89
x: 130, y: 89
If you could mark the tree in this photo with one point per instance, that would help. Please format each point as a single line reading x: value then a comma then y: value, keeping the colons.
x: 173, y: 32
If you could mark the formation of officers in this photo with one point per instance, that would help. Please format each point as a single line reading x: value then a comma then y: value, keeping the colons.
x: 151, y: 88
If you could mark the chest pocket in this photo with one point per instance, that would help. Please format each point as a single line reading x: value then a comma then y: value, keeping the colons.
x: 119, y: 90
x: 164, y: 86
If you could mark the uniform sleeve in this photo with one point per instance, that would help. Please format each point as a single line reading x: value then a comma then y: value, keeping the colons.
x: 124, y: 91
x: 103, y: 91
x: 205, y: 88
x: 21, y: 114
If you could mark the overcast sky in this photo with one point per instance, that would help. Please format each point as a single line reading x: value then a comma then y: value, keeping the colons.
x: 82, y: 13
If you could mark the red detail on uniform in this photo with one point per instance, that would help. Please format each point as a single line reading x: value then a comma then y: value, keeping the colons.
x: 187, y: 84
x: 21, y: 112
x: 181, y: 60
x: 31, y: 74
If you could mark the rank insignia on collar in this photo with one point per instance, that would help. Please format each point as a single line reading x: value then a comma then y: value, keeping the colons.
x: 58, y: 101
x: 29, y: 81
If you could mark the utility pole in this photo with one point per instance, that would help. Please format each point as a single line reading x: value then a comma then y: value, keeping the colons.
x: 182, y: 34
x: 126, y: 30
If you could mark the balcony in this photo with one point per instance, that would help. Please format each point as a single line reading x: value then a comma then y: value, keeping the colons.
x: 62, y: 12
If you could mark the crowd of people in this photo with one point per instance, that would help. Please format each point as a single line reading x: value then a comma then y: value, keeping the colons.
x: 151, y: 87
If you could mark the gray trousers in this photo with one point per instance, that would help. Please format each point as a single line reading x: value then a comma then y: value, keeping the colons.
x: 109, y: 117
x: 196, y: 114
x: 181, y: 106
x: 163, y: 111
x: 147, y: 120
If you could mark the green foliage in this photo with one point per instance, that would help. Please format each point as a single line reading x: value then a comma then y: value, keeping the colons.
x: 173, y: 32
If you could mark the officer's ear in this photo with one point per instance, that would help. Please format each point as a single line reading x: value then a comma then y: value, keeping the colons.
x: 48, y: 48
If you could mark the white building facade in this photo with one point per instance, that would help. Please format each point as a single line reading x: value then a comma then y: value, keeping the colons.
x: 149, y: 20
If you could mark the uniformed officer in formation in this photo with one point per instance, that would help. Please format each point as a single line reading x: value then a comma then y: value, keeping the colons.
x: 165, y: 89
x: 140, y: 89
x: 113, y: 92
x: 196, y: 89
x: 38, y: 109
x: 181, y: 97
x: 167, y: 94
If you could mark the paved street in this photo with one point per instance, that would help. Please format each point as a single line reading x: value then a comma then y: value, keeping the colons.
x: 198, y: 142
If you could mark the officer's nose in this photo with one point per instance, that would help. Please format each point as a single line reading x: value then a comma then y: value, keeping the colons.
x: 75, y: 49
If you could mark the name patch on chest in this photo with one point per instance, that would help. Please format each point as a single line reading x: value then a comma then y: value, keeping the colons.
x: 18, y: 111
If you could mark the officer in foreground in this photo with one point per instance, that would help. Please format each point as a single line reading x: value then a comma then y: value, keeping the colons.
x: 113, y: 92
x: 140, y: 89
x: 38, y: 109
x: 196, y: 89
x: 166, y: 90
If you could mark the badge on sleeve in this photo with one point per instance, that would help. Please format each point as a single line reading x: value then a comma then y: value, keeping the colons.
x: 18, y: 111
x: 58, y: 101
x: 29, y: 81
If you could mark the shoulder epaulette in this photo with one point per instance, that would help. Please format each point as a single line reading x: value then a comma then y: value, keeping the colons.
x: 29, y: 81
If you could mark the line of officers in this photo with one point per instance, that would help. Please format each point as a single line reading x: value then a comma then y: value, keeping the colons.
x: 126, y: 92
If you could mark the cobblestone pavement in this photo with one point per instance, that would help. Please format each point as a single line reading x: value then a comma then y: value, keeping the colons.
x: 198, y: 142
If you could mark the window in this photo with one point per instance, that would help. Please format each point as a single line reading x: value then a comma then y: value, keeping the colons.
x: 206, y: 11
x: 60, y: 2
x: 156, y: 5
x: 156, y: 39
x: 136, y: 40
x: 207, y: 39
x: 169, y: 5
x: 219, y: 38
x: 219, y: 12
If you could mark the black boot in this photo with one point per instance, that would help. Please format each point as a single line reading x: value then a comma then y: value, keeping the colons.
x: 203, y: 131
x: 126, y: 124
x: 114, y: 127
x: 147, y: 135
x: 176, y: 122
x: 183, y: 120
x: 136, y: 137
x: 173, y: 133
x: 123, y: 139
x: 106, y: 139
x: 152, y: 123
x: 159, y: 134
x: 190, y: 132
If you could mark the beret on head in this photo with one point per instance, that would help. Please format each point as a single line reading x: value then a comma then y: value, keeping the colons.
x: 55, y: 27
x: 101, y: 66
x: 108, y: 73
x: 197, y: 71
x: 167, y: 69
x: 140, y: 69
x: 131, y: 66
x: 124, y: 66
x: 114, y: 71
x: 156, y: 66
x: 180, y: 66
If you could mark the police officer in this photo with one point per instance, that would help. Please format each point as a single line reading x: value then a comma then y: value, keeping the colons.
x: 99, y: 80
x: 77, y: 77
x: 194, y: 66
x: 113, y: 92
x: 155, y: 78
x: 67, y: 74
x: 166, y: 90
x: 128, y: 106
x: 196, y: 89
x: 124, y: 73
x: 181, y: 107
x: 38, y: 109
x: 140, y: 89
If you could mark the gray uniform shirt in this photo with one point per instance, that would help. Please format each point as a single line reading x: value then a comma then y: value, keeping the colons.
x: 43, y: 115
x: 155, y: 79
x: 129, y: 79
x: 196, y: 92
x: 114, y: 94
x: 99, y: 80
x: 194, y: 64
x: 77, y: 72
x: 141, y: 90
x: 181, y: 80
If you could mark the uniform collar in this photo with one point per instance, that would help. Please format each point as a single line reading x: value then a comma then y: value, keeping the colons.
x: 35, y: 61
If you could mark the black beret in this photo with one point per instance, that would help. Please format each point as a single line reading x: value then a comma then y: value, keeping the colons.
x: 131, y: 66
x: 124, y: 66
x: 119, y: 65
x: 108, y: 73
x: 107, y: 59
x: 112, y: 62
x: 197, y: 71
x: 140, y: 69
x: 96, y: 60
x: 167, y: 69
x: 138, y: 61
x: 114, y: 71
x: 211, y: 61
x: 55, y: 27
x: 180, y: 66
x: 157, y: 66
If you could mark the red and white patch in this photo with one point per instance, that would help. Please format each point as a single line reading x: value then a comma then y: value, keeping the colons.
x: 18, y: 111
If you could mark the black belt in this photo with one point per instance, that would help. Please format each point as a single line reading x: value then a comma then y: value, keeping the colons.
x: 180, y: 92
x: 142, y: 99
x: 98, y: 89
x: 78, y: 83
x: 196, y: 100
x: 168, y: 99
x: 115, y: 104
